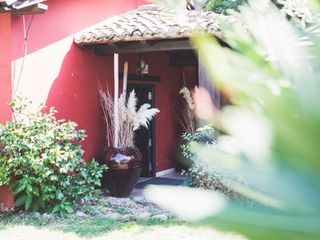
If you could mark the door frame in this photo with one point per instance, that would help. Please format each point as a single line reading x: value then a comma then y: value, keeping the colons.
x: 152, y: 123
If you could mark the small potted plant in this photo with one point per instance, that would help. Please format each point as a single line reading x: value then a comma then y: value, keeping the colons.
x: 123, y: 159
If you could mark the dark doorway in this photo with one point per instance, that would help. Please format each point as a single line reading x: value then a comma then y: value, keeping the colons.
x: 144, y: 138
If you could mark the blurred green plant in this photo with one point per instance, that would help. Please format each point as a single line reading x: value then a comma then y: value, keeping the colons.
x: 297, y: 11
x: 271, y: 74
x: 202, y: 174
x: 41, y: 159
x: 222, y: 6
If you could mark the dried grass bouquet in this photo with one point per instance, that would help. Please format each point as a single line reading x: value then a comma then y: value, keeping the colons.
x: 129, y: 117
x: 186, y: 114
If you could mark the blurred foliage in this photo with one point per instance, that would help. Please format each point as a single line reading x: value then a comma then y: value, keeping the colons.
x: 221, y: 6
x: 271, y: 75
x: 201, y: 174
x: 297, y: 11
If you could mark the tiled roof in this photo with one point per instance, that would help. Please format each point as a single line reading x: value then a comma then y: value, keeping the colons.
x: 150, y: 22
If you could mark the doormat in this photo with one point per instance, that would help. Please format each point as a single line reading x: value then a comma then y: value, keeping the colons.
x: 160, y: 181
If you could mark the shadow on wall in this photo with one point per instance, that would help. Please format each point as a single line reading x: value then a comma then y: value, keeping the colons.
x: 74, y: 95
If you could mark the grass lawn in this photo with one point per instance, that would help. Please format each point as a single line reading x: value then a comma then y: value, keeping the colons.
x: 106, y: 218
x: 31, y: 227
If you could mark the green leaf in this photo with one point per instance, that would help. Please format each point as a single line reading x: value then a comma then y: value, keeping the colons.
x: 35, y: 206
x: 19, y: 189
x: 62, y: 213
x: 56, y: 208
x: 35, y: 191
x: 28, y: 202
x: 29, y: 188
x: 69, y: 209
x: 14, y: 184
x: 21, y: 200
x: 41, y: 202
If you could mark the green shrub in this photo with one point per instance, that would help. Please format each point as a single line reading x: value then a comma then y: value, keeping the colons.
x: 221, y: 6
x: 202, y: 174
x: 42, y: 159
x: 201, y: 135
x: 297, y: 11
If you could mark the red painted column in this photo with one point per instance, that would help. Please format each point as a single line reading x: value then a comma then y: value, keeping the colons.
x: 6, y: 198
x: 5, y: 66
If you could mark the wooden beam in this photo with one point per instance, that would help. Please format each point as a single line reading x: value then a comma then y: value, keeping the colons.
x: 8, y: 2
x: 182, y: 58
x: 26, y: 3
x: 183, y: 62
x: 144, y: 77
x: 139, y: 47
x: 38, y: 8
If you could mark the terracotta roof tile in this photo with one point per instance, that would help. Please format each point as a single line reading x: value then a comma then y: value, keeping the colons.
x: 150, y: 22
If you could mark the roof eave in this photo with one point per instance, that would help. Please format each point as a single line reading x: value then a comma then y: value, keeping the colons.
x: 154, y: 45
x: 38, y: 8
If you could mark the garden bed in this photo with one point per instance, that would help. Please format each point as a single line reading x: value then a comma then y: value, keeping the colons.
x: 105, y: 218
x: 109, y: 208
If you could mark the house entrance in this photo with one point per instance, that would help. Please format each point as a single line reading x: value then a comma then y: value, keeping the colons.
x: 145, y: 138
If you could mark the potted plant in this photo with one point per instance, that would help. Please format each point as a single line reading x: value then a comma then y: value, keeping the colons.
x: 6, y: 194
x: 123, y: 159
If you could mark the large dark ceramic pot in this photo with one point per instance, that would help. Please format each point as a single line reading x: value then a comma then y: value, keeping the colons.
x: 125, y: 165
x: 6, y: 199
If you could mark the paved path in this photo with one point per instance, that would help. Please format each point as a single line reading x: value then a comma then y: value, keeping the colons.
x: 138, y: 193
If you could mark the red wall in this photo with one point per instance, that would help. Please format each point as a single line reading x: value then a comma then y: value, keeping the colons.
x: 5, y: 67
x: 63, y: 19
x: 58, y: 73
x: 6, y: 197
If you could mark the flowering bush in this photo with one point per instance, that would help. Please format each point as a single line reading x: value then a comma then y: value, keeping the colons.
x: 42, y: 159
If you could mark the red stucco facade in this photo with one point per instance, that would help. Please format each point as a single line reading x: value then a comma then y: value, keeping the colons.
x: 6, y: 198
x: 60, y: 74
x: 5, y: 66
